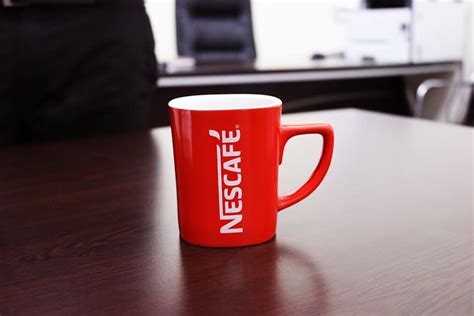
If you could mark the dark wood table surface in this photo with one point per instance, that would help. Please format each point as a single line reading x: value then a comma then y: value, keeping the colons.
x: 90, y: 227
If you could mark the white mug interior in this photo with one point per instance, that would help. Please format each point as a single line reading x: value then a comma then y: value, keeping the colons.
x: 216, y: 102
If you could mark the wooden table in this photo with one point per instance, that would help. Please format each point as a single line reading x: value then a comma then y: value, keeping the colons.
x: 89, y: 227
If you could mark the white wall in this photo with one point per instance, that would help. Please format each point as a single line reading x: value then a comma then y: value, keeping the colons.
x: 469, y: 51
x: 295, y: 28
x: 282, y: 28
x: 162, y: 17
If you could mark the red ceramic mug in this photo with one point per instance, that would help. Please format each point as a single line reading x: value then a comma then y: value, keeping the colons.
x: 227, y: 149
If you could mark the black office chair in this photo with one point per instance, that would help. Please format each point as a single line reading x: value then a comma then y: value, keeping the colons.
x: 215, y: 30
x: 385, y: 4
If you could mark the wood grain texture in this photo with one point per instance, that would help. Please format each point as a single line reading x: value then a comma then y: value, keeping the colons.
x: 90, y: 227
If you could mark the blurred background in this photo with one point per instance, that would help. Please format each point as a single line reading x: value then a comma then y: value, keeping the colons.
x: 412, y: 58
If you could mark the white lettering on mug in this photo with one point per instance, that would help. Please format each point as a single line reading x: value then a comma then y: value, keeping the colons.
x: 229, y: 178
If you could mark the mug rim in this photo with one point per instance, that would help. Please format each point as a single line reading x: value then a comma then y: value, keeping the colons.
x: 223, y: 102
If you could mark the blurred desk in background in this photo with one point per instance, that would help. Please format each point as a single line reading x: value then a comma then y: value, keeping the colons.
x: 306, y: 84
x: 290, y: 71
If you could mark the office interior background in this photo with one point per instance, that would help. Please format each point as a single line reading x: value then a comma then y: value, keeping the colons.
x: 288, y: 33
x: 91, y: 223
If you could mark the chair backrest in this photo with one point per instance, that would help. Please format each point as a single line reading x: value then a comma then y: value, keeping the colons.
x: 384, y: 4
x: 215, y: 30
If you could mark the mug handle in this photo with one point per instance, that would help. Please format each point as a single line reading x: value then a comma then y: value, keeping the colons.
x: 289, y: 131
